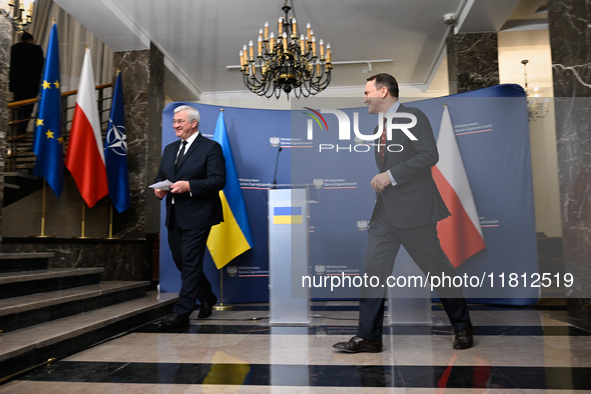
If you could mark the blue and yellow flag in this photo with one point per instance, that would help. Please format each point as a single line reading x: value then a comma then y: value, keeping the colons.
x: 232, y: 237
x: 288, y: 215
x: 116, y: 152
x: 48, y: 140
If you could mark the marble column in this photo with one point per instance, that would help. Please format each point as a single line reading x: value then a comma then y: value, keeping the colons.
x: 472, y: 61
x: 143, y: 97
x: 5, y: 42
x: 570, y: 41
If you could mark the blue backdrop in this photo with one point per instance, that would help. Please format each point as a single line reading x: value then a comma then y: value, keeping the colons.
x: 492, y: 132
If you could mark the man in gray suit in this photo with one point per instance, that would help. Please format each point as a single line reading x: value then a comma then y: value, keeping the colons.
x: 406, y: 213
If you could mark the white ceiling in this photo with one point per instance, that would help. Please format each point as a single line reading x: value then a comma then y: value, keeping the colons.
x: 201, y: 38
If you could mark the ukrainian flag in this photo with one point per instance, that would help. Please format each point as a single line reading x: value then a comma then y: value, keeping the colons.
x: 287, y: 215
x: 232, y: 237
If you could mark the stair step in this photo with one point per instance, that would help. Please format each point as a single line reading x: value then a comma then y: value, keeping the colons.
x: 15, y: 262
x: 34, y: 345
x: 26, y: 184
x: 19, y: 175
x: 25, y: 311
x: 16, y: 284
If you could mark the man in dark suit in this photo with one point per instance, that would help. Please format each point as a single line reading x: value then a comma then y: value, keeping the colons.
x: 197, y: 168
x: 26, y: 65
x: 406, y: 213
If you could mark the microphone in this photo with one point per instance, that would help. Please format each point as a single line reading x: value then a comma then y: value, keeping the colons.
x: 276, y: 165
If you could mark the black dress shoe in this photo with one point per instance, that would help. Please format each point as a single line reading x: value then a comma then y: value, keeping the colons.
x: 173, y: 321
x: 464, y: 339
x: 358, y: 345
x: 207, y: 307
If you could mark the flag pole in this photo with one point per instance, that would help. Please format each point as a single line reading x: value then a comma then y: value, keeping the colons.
x: 43, y: 203
x: 83, y: 223
x: 221, y: 306
x: 111, y: 225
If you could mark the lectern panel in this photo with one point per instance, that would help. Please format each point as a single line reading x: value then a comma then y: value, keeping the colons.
x: 288, y: 256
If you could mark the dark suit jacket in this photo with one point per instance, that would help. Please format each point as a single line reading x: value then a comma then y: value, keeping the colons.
x: 414, y: 201
x: 205, y: 168
x: 26, y: 65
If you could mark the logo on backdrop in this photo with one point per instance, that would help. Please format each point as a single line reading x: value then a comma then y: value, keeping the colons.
x: 359, y: 141
x: 333, y: 183
x: 232, y: 270
x: 486, y: 222
x: 319, y: 269
x: 362, y: 225
x: 117, y: 139
x: 274, y: 141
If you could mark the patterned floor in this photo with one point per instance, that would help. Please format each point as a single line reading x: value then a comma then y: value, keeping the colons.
x: 518, y: 350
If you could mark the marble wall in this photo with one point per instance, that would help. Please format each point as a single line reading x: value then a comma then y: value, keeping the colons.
x: 570, y: 40
x: 472, y: 61
x: 5, y: 42
x: 121, y: 259
x: 143, y: 97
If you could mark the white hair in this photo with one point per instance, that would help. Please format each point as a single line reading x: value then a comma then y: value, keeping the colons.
x: 192, y: 113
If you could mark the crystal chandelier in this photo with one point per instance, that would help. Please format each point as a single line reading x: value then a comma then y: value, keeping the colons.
x: 286, y: 63
x: 535, y: 109
x: 21, y: 14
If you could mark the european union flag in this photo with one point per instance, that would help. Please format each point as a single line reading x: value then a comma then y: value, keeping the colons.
x: 116, y: 152
x: 48, y: 140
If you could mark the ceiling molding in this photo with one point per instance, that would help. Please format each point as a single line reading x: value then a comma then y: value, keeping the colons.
x: 128, y: 21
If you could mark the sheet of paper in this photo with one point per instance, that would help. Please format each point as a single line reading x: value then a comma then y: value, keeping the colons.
x: 164, y: 185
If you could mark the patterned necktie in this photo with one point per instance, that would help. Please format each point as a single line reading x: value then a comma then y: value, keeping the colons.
x: 180, y: 155
x: 383, y: 142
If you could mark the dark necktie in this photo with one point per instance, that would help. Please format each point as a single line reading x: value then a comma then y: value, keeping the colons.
x: 179, y: 157
x: 383, y: 141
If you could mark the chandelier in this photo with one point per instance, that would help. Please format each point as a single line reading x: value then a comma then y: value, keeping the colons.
x: 535, y: 109
x: 286, y: 63
x: 21, y: 14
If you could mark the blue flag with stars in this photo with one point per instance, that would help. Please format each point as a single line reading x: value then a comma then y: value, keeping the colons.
x: 47, y: 139
x: 116, y: 152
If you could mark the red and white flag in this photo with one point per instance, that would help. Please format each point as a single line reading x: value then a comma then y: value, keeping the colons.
x: 460, y: 234
x: 85, y: 157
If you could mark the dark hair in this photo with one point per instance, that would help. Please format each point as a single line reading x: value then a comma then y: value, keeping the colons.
x: 383, y: 79
x: 26, y: 37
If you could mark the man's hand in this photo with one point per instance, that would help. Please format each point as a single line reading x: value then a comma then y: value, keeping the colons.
x: 380, y: 181
x: 180, y: 187
x: 160, y: 193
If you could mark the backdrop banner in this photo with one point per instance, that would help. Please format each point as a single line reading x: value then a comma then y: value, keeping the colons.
x: 323, y: 146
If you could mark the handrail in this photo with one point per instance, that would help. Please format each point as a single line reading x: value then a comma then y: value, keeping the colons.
x: 19, y: 155
x: 97, y: 87
x: 68, y: 93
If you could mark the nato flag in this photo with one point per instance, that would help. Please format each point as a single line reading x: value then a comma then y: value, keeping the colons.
x: 116, y: 152
x: 48, y: 140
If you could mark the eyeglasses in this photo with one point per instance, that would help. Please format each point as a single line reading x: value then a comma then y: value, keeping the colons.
x: 181, y: 121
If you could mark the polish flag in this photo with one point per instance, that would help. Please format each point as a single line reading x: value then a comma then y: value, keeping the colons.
x: 460, y: 234
x: 85, y: 157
